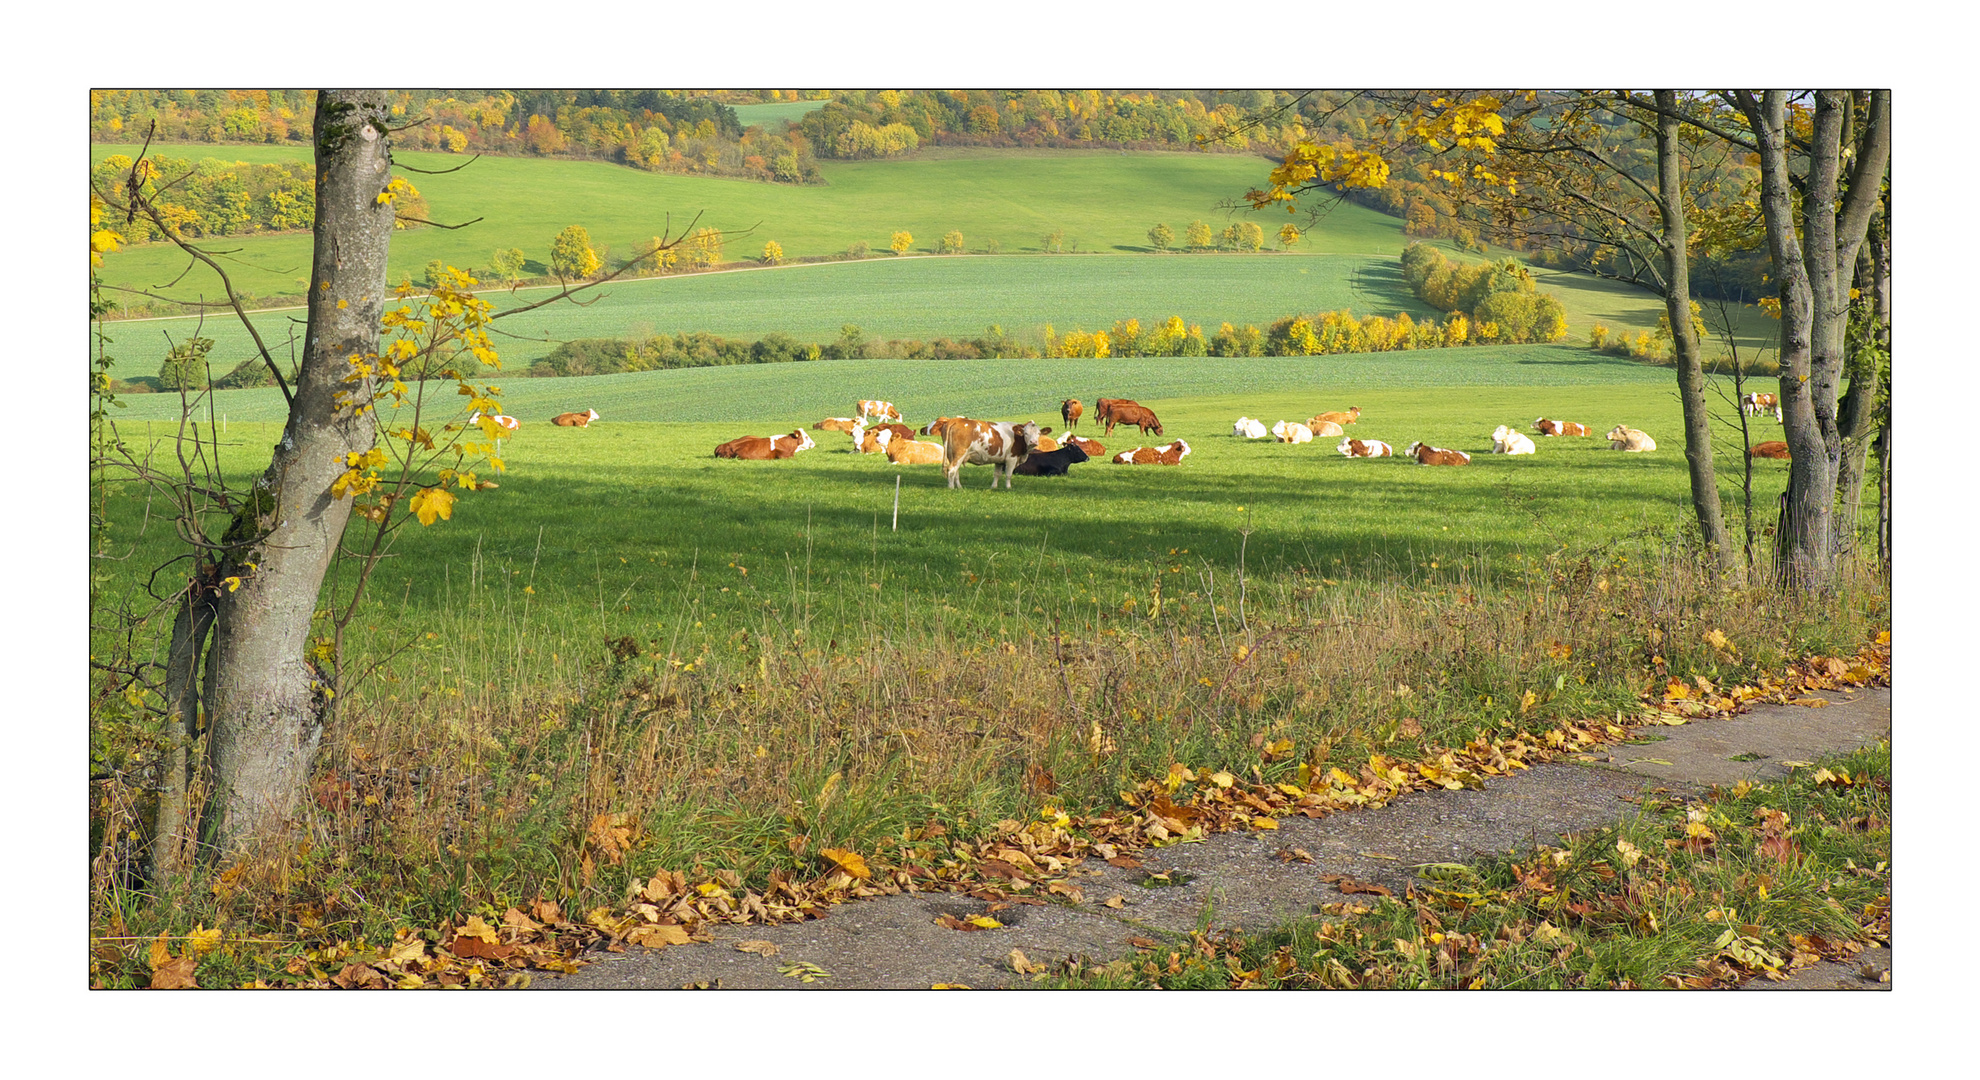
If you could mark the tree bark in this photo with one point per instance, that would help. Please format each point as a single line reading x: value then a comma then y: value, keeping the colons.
x: 1856, y: 419
x: 1814, y: 284
x: 263, y: 696
x: 1672, y: 240
x: 169, y: 843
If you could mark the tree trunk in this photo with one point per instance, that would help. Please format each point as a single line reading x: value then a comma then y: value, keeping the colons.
x: 1884, y: 497
x: 263, y: 696
x: 1684, y: 340
x: 1856, y: 420
x: 1814, y: 305
x: 170, y: 842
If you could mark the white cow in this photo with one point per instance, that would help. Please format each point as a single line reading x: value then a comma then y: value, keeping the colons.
x: 1505, y: 440
x: 1292, y: 431
x: 1247, y: 428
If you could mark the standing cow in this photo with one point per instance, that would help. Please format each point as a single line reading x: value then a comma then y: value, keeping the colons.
x: 1002, y: 445
x: 1070, y: 410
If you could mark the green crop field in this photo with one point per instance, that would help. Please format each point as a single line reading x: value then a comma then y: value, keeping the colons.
x: 1104, y: 202
x: 775, y: 115
x: 630, y: 524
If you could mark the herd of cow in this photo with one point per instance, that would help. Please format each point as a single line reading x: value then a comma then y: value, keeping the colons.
x: 1025, y: 449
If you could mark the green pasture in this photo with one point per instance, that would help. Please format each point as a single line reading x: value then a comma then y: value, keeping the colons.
x: 1103, y: 201
x: 775, y: 115
x: 631, y: 527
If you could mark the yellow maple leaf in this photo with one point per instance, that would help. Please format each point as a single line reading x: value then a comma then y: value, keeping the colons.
x: 433, y: 503
x: 202, y: 940
x: 985, y: 921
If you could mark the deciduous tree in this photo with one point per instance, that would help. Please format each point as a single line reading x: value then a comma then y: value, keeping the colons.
x: 571, y: 256
x: 1197, y: 236
x: 901, y: 242
x: 1162, y: 237
x: 952, y: 242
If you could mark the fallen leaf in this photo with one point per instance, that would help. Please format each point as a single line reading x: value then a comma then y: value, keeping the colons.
x: 658, y: 936
x: 803, y: 971
x: 175, y: 974
x: 1293, y: 854
x: 202, y: 940
x: 948, y: 986
x: 1347, y: 883
x: 853, y: 865
x: 1264, y: 823
x: 760, y: 948
x: 1023, y: 965
x: 1142, y: 942
x: 1810, y: 702
x: 1115, y: 901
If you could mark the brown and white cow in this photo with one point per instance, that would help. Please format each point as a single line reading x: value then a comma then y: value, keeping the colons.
x: 1770, y: 450
x: 1365, y: 448
x: 1088, y: 447
x: 836, y: 423
x: 939, y: 424
x: 1070, y: 410
x: 1324, y: 429
x: 1343, y: 418
x: 1631, y: 440
x: 868, y: 440
x: 1172, y: 454
x: 507, y: 423
x: 575, y: 419
x: 1127, y: 412
x: 1425, y: 454
x: 1002, y: 445
x: 766, y: 448
x: 878, y: 410
x: 1559, y: 427
x: 1756, y: 403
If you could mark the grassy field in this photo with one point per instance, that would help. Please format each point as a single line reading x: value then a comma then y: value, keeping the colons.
x: 1104, y: 202
x: 775, y: 115
x: 627, y: 519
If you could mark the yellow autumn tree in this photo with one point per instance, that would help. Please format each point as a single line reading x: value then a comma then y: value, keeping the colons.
x: 901, y: 242
x: 773, y: 253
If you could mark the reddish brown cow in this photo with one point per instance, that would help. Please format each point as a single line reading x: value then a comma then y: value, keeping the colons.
x: 1070, y: 411
x: 1777, y: 450
x: 1088, y: 447
x: 765, y: 448
x: 1350, y: 416
x: 575, y: 419
x: 1137, y: 415
x: 1559, y: 427
x: 1425, y: 454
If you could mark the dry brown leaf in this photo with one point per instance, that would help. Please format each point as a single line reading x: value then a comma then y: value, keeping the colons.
x: 760, y: 948
x: 1023, y: 965
x: 1348, y: 883
x: 175, y: 974
x: 1115, y: 901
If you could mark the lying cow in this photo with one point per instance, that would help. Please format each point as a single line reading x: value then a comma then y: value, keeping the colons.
x: 1425, y: 454
x: 1630, y: 439
x: 878, y: 410
x: 1247, y: 428
x: 1171, y: 454
x: 508, y: 423
x: 1051, y: 462
x: 1002, y: 445
x: 1777, y: 450
x: 1348, y: 417
x: 910, y: 452
x: 1088, y: 447
x: 1365, y: 448
x: 1756, y: 403
x: 836, y: 423
x: 1137, y: 415
x: 867, y: 440
x: 575, y: 419
x: 1507, y: 441
x: 1070, y: 410
x: 1324, y: 429
x: 1292, y: 431
x: 766, y: 448
x: 1559, y: 427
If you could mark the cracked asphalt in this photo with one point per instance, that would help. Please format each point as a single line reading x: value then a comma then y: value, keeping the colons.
x: 1236, y: 879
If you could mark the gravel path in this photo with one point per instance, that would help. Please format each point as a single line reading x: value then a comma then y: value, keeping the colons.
x: 1233, y: 879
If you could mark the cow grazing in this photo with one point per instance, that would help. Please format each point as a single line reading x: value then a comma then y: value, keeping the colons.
x: 878, y: 410
x: 766, y: 448
x: 1070, y: 410
x: 1002, y: 445
x: 1323, y: 429
x: 1559, y: 427
x: 1342, y: 418
x: 1051, y: 462
x: 575, y: 419
x: 1365, y: 448
x: 1292, y: 431
x: 910, y: 452
x: 1247, y: 428
x: 1104, y: 407
x: 1088, y: 447
x: 509, y: 423
x: 1770, y: 450
x: 1756, y: 403
x: 1507, y: 441
x: 1425, y: 454
x: 1127, y: 412
x: 1630, y: 439
x: 836, y: 423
